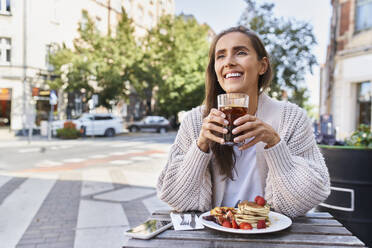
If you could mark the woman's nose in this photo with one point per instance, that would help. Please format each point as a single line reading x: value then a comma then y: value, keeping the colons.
x: 230, y: 61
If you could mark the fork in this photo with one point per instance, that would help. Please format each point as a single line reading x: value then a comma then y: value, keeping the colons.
x: 184, y: 222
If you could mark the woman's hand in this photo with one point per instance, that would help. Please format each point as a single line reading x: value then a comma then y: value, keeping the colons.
x: 250, y: 126
x: 212, y: 123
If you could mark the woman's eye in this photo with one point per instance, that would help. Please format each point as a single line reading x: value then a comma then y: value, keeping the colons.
x: 242, y: 53
x: 220, y: 56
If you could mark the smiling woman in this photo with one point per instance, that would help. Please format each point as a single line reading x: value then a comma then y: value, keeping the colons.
x: 237, y: 66
x: 277, y: 155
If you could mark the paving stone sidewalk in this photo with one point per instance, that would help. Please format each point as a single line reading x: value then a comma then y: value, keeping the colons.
x: 69, y: 219
x: 60, y: 201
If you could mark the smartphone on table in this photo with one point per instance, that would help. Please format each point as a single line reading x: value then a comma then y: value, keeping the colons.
x: 149, y: 229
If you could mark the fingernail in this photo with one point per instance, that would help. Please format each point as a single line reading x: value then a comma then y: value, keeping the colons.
x: 233, y: 131
x: 222, y: 141
x: 236, y: 122
x: 236, y: 140
x: 226, y: 122
x: 225, y: 130
x: 223, y: 115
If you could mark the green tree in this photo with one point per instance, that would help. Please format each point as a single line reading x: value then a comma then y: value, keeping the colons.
x: 97, y: 63
x: 175, y: 61
x: 75, y: 68
x: 115, y: 60
x: 289, y: 43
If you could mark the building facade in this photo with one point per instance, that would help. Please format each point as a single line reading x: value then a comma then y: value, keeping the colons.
x: 346, y: 78
x: 28, y: 30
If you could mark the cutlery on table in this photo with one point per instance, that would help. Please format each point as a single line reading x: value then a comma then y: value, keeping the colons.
x: 193, y: 222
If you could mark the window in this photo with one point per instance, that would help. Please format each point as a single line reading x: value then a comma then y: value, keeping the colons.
x: 102, y: 118
x: 364, y: 103
x: 5, y: 47
x: 363, y: 15
x: 4, y: 6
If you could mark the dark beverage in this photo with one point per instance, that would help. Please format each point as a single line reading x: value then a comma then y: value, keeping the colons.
x: 232, y: 113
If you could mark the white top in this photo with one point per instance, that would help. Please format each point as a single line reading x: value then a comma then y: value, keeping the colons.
x: 247, y: 180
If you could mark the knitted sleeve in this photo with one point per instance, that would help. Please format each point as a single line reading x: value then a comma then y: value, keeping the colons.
x: 185, y: 181
x: 298, y: 178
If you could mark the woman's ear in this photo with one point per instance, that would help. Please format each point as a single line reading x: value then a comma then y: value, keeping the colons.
x: 264, y: 64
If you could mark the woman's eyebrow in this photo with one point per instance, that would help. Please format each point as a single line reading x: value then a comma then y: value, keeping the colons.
x: 235, y: 48
x: 240, y: 48
x: 220, y: 51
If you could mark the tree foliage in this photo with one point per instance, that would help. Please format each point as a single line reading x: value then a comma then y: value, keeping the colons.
x: 169, y: 61
x: 176, y: 55
x: 289, y: 43
x: 97, y: 63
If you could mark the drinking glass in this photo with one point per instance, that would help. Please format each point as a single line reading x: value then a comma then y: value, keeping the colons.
x: 233, y: 105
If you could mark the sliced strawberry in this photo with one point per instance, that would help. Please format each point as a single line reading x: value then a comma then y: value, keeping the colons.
x: 245, y: 226
x: 261, y: 224
x: 234, y: 224
x: 227, y: 224
x: 220, y: 220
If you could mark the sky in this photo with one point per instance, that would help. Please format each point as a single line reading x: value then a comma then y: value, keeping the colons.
x: 222, y: 14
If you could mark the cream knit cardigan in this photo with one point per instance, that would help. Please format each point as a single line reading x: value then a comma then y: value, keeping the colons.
x: 295, y: 175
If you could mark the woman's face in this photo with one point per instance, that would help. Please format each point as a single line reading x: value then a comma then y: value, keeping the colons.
x: 237, y: 65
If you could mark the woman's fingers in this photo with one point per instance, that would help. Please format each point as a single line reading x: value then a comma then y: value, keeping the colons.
x: 244, y: 118
x: 248, y: 135
x: 250, y: 143
x: 259, y: 131
x: 209, y: 135
x: 213, y: 127
x: 217, y: 117
x: 217, y: 113
x: 245, y: 127
x: 213, y: 123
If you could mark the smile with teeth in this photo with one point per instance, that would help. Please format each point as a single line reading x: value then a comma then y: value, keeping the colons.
x: 233, y: 75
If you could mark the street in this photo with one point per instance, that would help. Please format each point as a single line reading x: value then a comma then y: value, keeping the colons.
x: 78, y: 193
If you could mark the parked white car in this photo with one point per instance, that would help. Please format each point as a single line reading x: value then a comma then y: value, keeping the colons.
x: 94, y: 124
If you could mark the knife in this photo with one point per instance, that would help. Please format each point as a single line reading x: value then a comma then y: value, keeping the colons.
x: 193, y: 222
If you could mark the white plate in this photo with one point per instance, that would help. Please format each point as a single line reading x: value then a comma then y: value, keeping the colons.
x: 278, y: 223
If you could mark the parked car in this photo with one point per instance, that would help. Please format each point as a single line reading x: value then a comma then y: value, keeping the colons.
x: 94, y: 124
x: 150, y: 123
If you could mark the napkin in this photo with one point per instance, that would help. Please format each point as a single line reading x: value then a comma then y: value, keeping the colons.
x: 176, y: 220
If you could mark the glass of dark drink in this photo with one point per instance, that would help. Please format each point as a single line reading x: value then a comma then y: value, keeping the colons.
x: 233, y: 105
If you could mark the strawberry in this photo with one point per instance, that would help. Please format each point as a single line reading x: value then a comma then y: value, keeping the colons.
x: 234, y: 225
x: 226, y: 223
x: 245, y: 226
x: 261, y: 224
x: 260, y: 200
x: 220, y: 220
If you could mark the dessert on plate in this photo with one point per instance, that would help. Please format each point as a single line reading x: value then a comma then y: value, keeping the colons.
x: 247, y: 216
